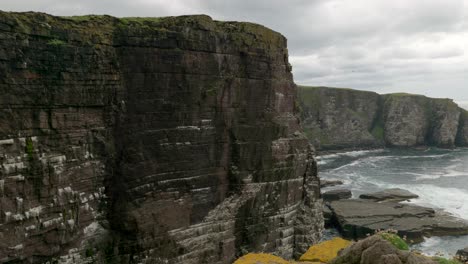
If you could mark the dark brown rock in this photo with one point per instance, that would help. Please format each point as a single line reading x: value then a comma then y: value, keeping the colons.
x: 394, y: 194
x: 330, y: 183
x: 180, y: 132
x: 462, y: 254
x: 335, y: 195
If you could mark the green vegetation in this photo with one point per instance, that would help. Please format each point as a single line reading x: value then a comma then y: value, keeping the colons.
x: 309, y: 95
x: 29, y: 148
x: 89, y: 252
x: 395, y: 240
x: 56, y: 42
x: 140, y: 20
x: 403, y: 94
x: 325, y: 87
x: 378, y: 131
x: 446, y: 261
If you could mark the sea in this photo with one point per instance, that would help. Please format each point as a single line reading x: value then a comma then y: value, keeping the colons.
x: 438, y: 176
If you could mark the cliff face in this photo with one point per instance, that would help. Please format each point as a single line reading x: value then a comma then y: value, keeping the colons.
x: 172, y: 140
x: 343, y: 118
x: 339, y: 118
x: 462, y: 136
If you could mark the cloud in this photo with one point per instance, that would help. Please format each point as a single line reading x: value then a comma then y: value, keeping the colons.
x: 417, y: 46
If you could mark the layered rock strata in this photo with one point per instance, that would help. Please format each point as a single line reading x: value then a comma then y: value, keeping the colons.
x: 179, y: 136
x: 337, y: 118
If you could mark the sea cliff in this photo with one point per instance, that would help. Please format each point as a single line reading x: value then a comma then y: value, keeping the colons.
x: 336, y: 118
x: 150, y: 140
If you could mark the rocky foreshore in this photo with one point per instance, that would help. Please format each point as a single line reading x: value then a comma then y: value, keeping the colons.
x: 383, y: 210
x: 380, y: 248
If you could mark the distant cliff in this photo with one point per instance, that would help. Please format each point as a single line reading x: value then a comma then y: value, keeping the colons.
x: 335, y: 118
x: 150, y: 140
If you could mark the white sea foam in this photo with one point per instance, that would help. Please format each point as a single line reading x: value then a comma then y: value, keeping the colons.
x: 437, y: 176
x: 452, y: 200
x: 356, y: 153
x: 352, y: 164
x: 445, y: 246
x: 436, y: 156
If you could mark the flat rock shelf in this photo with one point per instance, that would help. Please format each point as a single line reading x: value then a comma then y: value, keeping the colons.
x: 356, y: 218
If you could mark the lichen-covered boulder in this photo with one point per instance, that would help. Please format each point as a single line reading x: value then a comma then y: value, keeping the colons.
x: 260, y: 258
x: 325, y: 251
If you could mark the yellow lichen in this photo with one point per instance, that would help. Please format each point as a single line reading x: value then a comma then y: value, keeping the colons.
x: 326, y: 251
x: 260, y: 258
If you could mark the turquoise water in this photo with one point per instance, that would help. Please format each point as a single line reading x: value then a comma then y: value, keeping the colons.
x: 438, y: 176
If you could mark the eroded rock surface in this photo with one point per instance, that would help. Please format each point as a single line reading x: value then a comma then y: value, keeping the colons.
x: 339, y: 118
x: 357, y: 218
x: 178, y: 135
x: 394, y: 194
x: 337, y: 194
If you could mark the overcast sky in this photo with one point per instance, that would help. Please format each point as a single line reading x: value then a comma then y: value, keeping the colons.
x: 415, y: 46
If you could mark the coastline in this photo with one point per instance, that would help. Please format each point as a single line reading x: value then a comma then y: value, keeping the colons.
x: 354, y: 161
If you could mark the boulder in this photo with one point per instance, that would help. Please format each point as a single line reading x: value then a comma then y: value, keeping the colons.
x: 356, y: 218
x: 335, y: 195
x: 462, y: 254
x: 395, y: 194
x: 376, y: 250
x: 330, y: 183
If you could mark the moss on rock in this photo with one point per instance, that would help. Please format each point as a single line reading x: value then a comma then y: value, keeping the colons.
x: 395, y: 240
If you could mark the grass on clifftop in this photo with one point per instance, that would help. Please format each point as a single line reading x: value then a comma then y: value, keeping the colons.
x: 331, y: 88
x: 403, y: 94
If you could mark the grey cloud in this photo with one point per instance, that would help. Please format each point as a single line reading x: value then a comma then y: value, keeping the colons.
x: 417, y: 46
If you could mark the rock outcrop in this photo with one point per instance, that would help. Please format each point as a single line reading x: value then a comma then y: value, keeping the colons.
x: 356, y: 218
x: 462, y: 255
x: 335, y: 195
x: 377, y: 250
x: 394, y: 194
x: 175, y: 138
x: 337, y: 118
x: 330, y: 183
